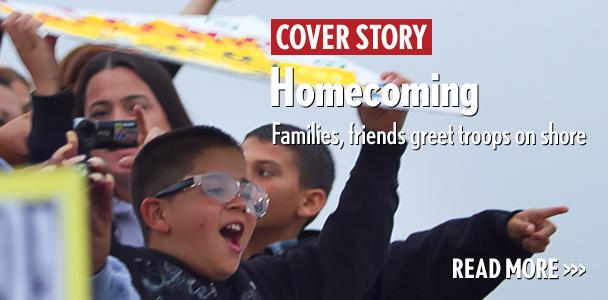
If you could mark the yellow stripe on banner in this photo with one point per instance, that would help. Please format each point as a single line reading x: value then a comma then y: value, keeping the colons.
x: 5, y: 8
x: 318, y: 75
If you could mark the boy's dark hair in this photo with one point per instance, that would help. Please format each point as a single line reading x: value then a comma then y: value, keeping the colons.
x: 166, y: 159
x: 150, y: 71
x: 315, y: 163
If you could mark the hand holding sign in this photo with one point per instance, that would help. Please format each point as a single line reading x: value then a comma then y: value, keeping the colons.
x: 101, y: 190
x: 382, y: 119
x: 37, y: 54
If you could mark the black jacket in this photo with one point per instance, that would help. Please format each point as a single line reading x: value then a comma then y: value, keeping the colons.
x: 342, y: 263
x: 51, y: 119
x: 421, y: 266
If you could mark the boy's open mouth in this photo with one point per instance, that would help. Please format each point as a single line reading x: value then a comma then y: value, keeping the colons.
x: 232, y: 232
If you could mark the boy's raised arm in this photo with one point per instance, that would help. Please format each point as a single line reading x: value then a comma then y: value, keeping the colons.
x: 421, y: 266
x: 353, y: 244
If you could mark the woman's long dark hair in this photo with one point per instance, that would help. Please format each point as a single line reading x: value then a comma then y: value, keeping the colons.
x: 150, y: 71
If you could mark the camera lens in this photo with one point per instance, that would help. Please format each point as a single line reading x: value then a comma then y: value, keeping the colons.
x: 86, y: 131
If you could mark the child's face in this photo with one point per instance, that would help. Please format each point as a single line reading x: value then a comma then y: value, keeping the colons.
x: 274, y: 168
x: 198, y: 224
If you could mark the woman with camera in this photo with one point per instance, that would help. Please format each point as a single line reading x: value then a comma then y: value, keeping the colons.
x: 112, y: 86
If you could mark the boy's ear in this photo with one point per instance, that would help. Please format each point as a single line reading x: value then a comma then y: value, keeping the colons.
x: 151, y: 210
x: 312, y: 202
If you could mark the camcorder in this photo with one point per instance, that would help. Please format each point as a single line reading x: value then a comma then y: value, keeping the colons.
x: 105, y: 134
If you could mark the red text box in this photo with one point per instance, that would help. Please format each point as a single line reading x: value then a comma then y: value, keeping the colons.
x: 351, y: 37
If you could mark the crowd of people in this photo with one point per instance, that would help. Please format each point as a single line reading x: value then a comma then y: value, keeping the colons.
x: 191, y: 213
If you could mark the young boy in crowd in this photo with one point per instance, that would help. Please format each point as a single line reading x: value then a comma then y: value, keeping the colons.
x: 198, y: 214
x: 299, y: 179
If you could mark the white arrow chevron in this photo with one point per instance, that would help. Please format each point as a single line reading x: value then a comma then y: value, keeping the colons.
x: 567, y: 269
x: 574, y: 270
x: 582, y: 269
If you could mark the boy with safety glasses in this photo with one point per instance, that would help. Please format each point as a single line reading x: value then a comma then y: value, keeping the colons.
x: 198, y: 214
x: 299, y: 179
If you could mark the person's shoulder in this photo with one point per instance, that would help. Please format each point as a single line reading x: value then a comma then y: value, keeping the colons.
x: 140, y: 259
x: 157, y: 274
x: 309, y: 235
x: 282, y: 248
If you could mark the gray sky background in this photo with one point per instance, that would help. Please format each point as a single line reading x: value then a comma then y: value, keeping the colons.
x: 535, y: 62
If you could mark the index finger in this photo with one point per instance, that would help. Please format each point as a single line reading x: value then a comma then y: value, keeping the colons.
x: 141, y: 123
x: 388, y: 77
x: 10, y: 19
x: 384, y: 75
x: 545, y: 213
